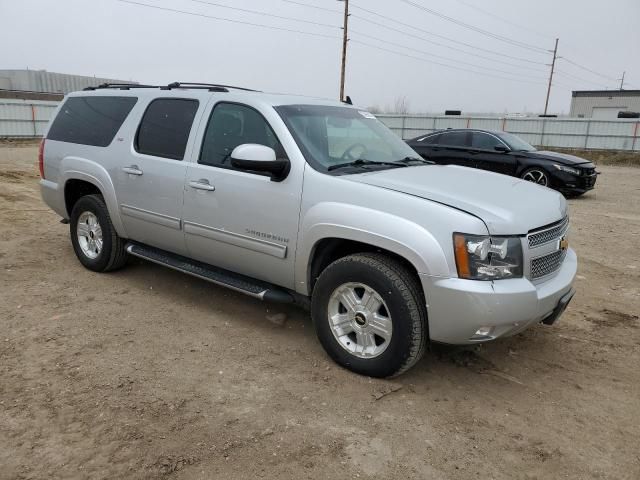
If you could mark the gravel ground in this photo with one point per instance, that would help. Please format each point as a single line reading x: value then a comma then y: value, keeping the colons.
x: 147, y: 373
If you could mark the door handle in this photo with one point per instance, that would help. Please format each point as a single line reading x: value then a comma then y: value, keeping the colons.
x: 132, y: 170
x: 202, y: 184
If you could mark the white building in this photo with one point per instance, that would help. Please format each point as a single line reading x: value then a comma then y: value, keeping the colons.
x: 604, y: 104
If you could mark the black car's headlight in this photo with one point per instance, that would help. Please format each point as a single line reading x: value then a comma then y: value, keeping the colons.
x: 564, y: 168
x: 480, y: 257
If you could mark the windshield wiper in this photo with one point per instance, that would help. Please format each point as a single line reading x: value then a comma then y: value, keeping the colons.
x: 361, y: 162
x: 424, y: 161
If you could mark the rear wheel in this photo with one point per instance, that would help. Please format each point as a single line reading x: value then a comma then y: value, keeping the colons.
x: 94, y: 240
x: 370, y: 315
x: 536, y: 175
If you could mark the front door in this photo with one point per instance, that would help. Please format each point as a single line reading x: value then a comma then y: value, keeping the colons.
x: 241, y: 220
x: 150, y: 178
x: 488, y: 158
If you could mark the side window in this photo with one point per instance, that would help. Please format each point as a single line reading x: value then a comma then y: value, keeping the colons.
x: 231, y: 125
x: 165, y: 126
x: 484, y: 141
x: 454, y: 139
x: 90, y: 120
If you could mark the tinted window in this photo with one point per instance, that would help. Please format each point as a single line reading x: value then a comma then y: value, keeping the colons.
x: 90, y: 120
x: 454, y: 139
x: 165, y: 126
x: 231, y: 125
x: 430, y: 140
x: 484, y: 141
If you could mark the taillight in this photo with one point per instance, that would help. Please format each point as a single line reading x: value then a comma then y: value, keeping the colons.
x: 41, y: 158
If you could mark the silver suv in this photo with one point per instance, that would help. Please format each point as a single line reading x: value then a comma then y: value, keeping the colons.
x: 307, y: 201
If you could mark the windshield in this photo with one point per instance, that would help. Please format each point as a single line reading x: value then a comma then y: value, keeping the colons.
x: 343, y: 138
x: 516, y: 143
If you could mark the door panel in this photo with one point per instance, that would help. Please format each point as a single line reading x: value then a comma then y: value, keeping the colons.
x: 453, y: 149
x: 150, y: 187
x: 487, y: 158
x: 247, y: 223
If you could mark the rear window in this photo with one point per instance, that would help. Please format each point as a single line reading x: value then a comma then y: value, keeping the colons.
x: 165, y: 127
x: 90, y: 120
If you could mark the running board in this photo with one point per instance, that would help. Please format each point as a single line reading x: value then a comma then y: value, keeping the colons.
x: 234, y: 281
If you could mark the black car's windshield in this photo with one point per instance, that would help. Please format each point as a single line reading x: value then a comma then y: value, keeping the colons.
x: 345, y: 139
x: 516, y: 143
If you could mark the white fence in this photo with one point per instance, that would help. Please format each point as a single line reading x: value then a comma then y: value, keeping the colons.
x: 27, y: 118
x: 542, y: 132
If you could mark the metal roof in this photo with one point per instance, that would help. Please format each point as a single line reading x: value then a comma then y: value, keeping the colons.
x: 605, y: 93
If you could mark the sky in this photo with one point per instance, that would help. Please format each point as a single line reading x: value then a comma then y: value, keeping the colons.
x: 474, y: 56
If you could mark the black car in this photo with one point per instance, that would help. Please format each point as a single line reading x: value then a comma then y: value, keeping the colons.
x: 505, y: 153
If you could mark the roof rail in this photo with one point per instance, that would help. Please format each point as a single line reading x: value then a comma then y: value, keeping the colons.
x: 201, y: 85
x: 121, y: 86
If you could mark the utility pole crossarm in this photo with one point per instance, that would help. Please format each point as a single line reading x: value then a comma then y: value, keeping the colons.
x: 553, y: 66
x: 345, y: 32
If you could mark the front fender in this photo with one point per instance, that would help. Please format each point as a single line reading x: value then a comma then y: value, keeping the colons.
x: 77, y: 168
x: 383, y: 230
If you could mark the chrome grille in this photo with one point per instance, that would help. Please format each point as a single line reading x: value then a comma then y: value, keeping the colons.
x: 550, y: 234
x: 547, y: 264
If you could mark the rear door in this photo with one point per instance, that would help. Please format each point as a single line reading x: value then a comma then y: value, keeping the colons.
x: 483, y: 149
x: 453, y: 149
x: 150, y: 178
x: 424, y: 146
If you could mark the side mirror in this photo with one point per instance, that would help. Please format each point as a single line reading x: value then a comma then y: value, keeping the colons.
x: 260, y: 158
x: 501, y: 148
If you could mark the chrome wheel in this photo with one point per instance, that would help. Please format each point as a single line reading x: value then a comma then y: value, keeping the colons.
x: 536, y: 176
x: 359, y: 320
x: 89, y: 235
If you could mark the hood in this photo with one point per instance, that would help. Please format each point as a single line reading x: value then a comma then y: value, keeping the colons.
x: 507, y: 205
x: 563, y: 158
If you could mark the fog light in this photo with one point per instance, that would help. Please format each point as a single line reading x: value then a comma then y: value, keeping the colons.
x: 483, y: 333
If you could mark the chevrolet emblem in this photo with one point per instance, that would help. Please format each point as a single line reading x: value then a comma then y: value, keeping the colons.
x: 564, y: 244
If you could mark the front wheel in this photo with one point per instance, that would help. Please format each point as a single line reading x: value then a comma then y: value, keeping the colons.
x: 369, y: 314
x: 536, y: 175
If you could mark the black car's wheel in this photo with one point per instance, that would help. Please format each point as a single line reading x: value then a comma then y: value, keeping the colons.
x: 536, y: 175
x: 95, y: 241
x: 369, y: 314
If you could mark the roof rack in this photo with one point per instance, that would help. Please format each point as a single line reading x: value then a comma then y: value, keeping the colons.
x: 121, y: 86
x: 212, y: 87
x: 205, y: 85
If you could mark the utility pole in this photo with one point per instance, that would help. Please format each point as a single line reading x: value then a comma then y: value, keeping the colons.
x: 345, y: 28
x: 553, y: 66
x: 622, y: 81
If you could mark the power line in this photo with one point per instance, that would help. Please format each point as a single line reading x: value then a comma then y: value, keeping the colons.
x: 312, y: 6
x: 493, y: 52
x: 435, y: 55
x: 261, y: 25
x: 443, y: 64
x: 477, y: 29
x: 579, y: 79
x: 265, y: 14
x: 587, y: 69
x: 504, y: 20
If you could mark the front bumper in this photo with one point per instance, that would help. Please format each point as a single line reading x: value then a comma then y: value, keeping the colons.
x: 457, y: 308
x: 569, y: 183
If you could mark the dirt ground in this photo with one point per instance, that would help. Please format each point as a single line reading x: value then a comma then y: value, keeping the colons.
x: 147, y: 373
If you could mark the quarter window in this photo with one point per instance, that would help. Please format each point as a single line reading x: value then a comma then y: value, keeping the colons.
x: 90, y: 120
x: 431, y: 139
x: 165, y: 127
x: 231, y: 125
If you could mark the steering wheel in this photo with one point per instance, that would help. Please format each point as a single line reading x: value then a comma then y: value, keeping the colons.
x: 348, y: 153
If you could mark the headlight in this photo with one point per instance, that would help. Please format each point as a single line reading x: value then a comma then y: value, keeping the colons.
x: 564, y: 168
x: 480, y: 257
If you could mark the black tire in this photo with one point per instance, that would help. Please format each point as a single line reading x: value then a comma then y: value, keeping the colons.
x: 401, y: 293
x: 530, y: 173
x: 113, y: 254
